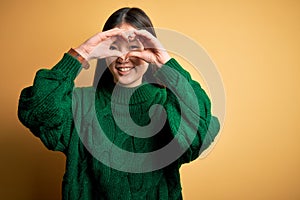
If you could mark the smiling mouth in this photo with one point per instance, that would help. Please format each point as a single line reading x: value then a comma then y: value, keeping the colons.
x: 124, y: 69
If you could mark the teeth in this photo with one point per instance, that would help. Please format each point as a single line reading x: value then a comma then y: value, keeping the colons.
x: 124, y: 69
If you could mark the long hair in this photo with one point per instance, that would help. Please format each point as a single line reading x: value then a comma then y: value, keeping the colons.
x: 138, y: 19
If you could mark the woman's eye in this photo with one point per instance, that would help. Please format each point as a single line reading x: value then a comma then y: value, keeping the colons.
x: 134, y: 47
x: 112, y: 48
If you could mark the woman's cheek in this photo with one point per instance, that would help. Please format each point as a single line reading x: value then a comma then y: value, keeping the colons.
x: 111, y: 61
x: 138, y: 62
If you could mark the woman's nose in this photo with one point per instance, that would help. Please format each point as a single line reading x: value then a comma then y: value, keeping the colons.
x: 122, y: 59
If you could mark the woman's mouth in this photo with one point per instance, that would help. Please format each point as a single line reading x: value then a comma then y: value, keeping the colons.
x: 123, y: 70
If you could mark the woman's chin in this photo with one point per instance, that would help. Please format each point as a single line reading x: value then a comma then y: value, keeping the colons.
x: 128, y: 82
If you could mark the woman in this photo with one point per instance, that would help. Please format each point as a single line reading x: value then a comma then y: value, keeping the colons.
x: 90, y: 125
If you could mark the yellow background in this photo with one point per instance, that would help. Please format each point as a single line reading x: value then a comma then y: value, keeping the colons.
x: 255, y: 45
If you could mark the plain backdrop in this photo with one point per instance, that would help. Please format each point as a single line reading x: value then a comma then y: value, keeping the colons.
x: 255, y: 45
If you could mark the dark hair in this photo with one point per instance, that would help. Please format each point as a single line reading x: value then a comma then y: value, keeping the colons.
x: 135, y: 17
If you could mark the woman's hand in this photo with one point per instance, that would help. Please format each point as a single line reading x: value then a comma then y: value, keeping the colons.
x: 98, y: 46
x: 153, y: 50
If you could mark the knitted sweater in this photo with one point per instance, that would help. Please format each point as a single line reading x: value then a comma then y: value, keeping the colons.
x: 67, y: 119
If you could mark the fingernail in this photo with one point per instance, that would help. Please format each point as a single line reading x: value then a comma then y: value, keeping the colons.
x: 130, y: 38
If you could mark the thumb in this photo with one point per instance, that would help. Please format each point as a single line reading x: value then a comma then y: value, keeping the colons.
x: 144, y: 55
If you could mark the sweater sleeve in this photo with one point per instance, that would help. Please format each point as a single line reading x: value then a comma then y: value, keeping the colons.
x: 189, y: 111
x: 46, y: 106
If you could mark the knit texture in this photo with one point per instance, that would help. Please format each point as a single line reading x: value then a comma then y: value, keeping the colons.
x: 66, y: 119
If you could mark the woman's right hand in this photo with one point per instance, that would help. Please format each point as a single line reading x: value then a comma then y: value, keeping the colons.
x: 98, y: 46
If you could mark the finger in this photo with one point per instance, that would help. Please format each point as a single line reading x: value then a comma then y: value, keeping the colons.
x: 149, y: 41
x: 123, y: 37
x: 144, y: 55
x: 144, y: 33
x: 127, y: 35
x: 130, y: 35
x: 104, y: 52
x: 110, y: 33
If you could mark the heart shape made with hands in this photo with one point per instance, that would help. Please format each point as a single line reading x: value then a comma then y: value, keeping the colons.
x: 116, y: 43
x: 117, y: 46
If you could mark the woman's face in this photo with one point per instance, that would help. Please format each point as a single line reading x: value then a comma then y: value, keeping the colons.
x: 127, y: 72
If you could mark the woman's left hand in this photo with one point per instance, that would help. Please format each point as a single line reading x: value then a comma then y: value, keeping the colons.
x: 153, y: 51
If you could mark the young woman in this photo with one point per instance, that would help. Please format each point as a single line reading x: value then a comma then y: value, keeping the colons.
x: 126, y: 137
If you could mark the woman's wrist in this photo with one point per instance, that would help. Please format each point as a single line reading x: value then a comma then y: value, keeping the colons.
x: 164, y: 59
x: 79, y: 57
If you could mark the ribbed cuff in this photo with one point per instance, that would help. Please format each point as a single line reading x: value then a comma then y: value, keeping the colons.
x: 170, y: 72
x: 68, y: 65
x: 175, y: 65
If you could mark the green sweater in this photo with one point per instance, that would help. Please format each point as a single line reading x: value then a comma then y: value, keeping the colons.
x: 90, y: 124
